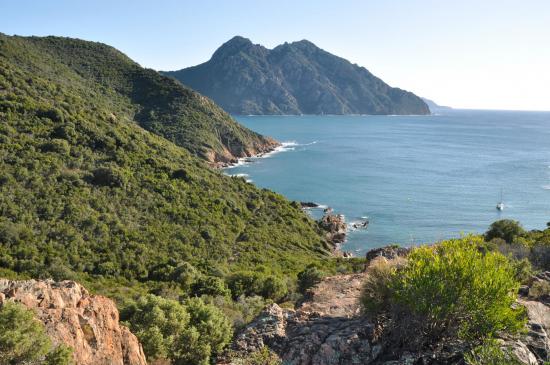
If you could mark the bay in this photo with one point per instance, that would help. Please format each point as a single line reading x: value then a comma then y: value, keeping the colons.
x: 418, y: 179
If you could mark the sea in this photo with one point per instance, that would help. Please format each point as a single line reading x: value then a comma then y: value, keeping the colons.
x: 416, y: 179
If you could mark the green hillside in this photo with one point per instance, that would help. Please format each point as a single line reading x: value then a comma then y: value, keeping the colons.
x: 98, y: 177
x: 157, y: 103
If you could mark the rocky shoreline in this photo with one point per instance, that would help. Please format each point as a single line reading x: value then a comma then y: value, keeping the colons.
x: 236, y: 156
x: 336, y: 228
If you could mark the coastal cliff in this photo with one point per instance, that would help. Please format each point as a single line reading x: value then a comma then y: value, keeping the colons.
x: 293, y: 78
x: 89, y: 324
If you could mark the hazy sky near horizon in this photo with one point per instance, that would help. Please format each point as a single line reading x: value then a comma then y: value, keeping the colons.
x: 486, y: 54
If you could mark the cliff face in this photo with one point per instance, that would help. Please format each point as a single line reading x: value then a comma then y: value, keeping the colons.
x: 87, y: 323
x: 293, y: 78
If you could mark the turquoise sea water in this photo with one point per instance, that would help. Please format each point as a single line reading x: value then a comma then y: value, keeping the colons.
x: 417, y: 178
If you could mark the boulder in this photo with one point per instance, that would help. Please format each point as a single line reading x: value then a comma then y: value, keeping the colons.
x: 388, y: 252
x: 335, y: 227
x: 307, y: 205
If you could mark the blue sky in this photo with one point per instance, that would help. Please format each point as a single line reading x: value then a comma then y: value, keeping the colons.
x: 490, y: 54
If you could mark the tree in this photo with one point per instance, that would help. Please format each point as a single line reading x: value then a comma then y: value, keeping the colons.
x: 23, y: 339
x: 505, y: 229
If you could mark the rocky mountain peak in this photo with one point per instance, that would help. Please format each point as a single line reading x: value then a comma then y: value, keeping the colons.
x: 232, y: 47
x: 293, y: 78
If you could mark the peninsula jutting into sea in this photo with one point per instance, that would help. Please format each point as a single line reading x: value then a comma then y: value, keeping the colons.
x: 274, y: 203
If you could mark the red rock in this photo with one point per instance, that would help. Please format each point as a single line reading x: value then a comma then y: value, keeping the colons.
x: 87, y: 323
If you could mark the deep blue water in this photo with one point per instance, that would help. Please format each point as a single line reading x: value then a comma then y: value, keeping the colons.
x: 417, y: 178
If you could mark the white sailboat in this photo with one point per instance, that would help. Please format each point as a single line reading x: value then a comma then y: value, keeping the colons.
x: 500, y: 205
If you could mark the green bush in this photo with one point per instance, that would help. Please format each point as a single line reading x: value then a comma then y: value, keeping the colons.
x: 158, y: 323
x: 377, y: 293
x: 506, y: 229
x: 108, y: 176
x: 185, y: 334
x: 539, y: 289
x: 250, y: 283
x: 490, y: 353
x: 523, y: 269
x: 210, y: 285
x: 308, y: 278
x: 23, y: 339
x: 207, y: 336
x: 262, y: 356
x: 60, y: 146
x: 457, y: 290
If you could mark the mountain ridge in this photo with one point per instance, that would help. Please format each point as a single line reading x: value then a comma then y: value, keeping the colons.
x: 161, y: 105
x: 293, y: 78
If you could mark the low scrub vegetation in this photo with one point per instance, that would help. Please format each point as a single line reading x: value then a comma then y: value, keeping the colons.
x: 491, y: 353
x: 189, y: 333
x: 23, y: 339
x: 449, y: 290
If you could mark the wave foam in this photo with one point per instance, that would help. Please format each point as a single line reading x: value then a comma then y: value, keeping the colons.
x: 284, y: 147
x: 546, y: 187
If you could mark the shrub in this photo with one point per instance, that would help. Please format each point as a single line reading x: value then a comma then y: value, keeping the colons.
x: 250, y: 283
x: 523, y: 269
x: 539, y: 289
x: 456, y: 290
x: 309, y: 277
x: 185, y: 334
x: 262, y: 356
x: 60, y: 146
x: 490, y: 353
x: 184, y: 274
x: 108, y: 176
x: 23, y: 339
x: 506, y: 229
x: 208, y: 334
x: 157, y: 322
x: 377, y: 292
x: 209, y: 285
x: 540, y: 256
x: 273, y: 287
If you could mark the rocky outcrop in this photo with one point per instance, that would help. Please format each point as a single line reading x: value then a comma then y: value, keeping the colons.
x: 335, y: 227
x: 387, y: 252
x: 323, y: 330
x: 87, y: 323
x: 537, y: 339
x: 231, y: 155
x: 328, y: 329
x: 307, y: 205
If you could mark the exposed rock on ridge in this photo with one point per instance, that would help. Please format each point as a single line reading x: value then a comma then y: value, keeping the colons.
x: 293, y: 78
x: 87, y: 323
x: 327, y: 329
